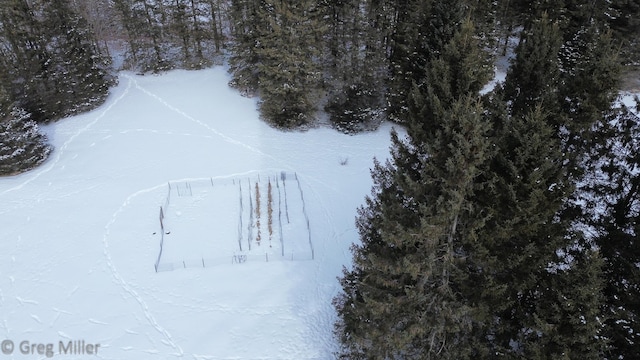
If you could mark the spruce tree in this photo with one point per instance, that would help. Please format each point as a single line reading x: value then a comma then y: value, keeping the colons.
x: 546, y: 287
x: 401, y: 299
x: 25, y: 59
x: 533, y: 77
x: 610, y: 202
x: 80, y: 76
x: 51, y: 58
x: 354, y: 67
x: 409, y: 52
x: 192, y: 24
x: 22, y: 145
x: 288, y: 72
x: 529, y: 280
x: 590, y: 77
x: 244, y: 60
x: 144, y: 22
x: 403, y: 296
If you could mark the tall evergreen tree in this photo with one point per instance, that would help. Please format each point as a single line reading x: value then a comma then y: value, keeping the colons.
x: 535, y: 291
x: 51, y: 58
x: 533, y: 77
x: 144, y: 22
x: 409, y: 51
x: 288, y: 72
x: 193, y: 27
x: 80, y: 75
x: 244, y: 59
x: 546, y: 290
x: 610, y: 200
x: 402, y: 299
x: 354, y: 68
x: 25, y: 58
x: 22, y: 145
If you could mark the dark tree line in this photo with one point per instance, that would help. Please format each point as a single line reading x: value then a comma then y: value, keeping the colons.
x: 49, y: 68
x: 504, y: 225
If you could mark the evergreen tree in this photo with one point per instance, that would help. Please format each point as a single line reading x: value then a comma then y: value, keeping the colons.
x: 144, y: 21
x: 194, y: 27
x: 623, y: 18
x: 531, y: 275
x: 590, y: 76
x: 546, y: 289
x: 22, y: 145
x: 53, y: 67
x: 403, y: 297
x: 409, y: 52
x: 80, y: 75
x: 25, y: 59
x: 534, y: 75
x: 610, y: 202
x: 288, y: 72
x: 354, y: 67
x: 244, y: 58
x: 103, y: 22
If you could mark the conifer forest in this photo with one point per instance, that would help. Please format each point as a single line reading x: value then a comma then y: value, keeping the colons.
x: 505, y: 224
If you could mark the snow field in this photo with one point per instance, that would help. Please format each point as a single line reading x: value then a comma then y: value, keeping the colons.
x: 77, y: 242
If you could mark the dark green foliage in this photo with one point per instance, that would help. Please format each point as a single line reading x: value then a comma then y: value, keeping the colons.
x: 354, y: 67
x: 288, y: 72
x: 244, y: 59
x: 551, y: 282
x: 534, y: 75
x: 144, y: 23
x: 355, y: 108
x: 52, y: 65
x: 24, y: 58
x: 495, y: 211
x: 192, y: 28
x: 409, y: 51
x: 78, y: 74
x: 533, y: 285
x: 590, y: 77
x: 276, y: 56
x: 22, y: 145
x: 610, y: 199
x: 401, y: 299
x: 404, y: 297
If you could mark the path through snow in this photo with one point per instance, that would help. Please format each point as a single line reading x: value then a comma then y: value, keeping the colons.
x: 78, y: 243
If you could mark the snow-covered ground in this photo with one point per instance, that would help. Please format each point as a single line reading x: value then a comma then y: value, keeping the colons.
x: 80, y: 235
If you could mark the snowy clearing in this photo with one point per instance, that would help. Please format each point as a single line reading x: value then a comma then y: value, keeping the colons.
x: 80, y: 234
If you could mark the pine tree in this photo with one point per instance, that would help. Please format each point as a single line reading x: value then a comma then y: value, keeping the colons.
x: 403, y: 297
x: 534, y: 75
x: 354, y: 69
x: 144, y: 22
x: 22, y: 145
x: 610, y: 203
x: 288, y: 72
x: 26, y: 58
x: 51, y: 58
x: 80, y: 75
x: 539, y: 274
x: 244, y: 59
